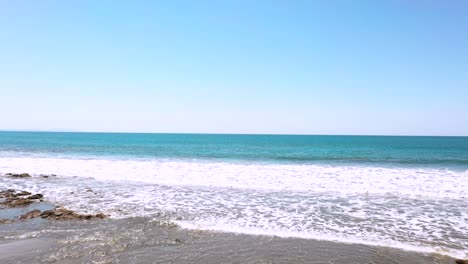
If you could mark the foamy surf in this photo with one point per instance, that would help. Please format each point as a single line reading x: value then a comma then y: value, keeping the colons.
x: 426, y: 182
x: 417, y: 209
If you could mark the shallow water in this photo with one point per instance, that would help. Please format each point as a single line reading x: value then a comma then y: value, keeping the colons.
x: 419, y: 224
x: 146, y: 240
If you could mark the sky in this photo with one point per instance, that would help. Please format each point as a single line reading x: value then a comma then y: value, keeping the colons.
x: 268, y: 67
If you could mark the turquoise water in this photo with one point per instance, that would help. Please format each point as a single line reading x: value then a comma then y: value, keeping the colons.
x: 392, y: 150
x: 403, y: 192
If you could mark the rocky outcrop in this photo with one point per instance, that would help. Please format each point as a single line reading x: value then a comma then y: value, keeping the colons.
x: 11, y: 198
x: 32, y: 214
x: 61, y: 214
x: 461, y: 261
x: 18, y: 175
x: 23, y: 193
x: 35, y: 196
x: 6, y: 221
x: 47, y: 175
x: 27, y: 175
x: 18, y: 202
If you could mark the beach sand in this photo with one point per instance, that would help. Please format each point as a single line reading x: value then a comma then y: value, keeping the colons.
x: 33, y: 230
x: 147, y: 240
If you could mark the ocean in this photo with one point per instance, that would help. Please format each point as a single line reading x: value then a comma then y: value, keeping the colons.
x: 403, y: 192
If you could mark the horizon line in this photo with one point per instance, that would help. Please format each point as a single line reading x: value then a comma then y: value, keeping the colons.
x: 211, y: 133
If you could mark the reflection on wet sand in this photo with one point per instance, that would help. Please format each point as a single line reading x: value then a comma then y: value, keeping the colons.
x: 146, y: 240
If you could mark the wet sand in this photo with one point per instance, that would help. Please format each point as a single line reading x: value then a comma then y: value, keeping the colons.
x: 146, y: 240
x: 35, y: 231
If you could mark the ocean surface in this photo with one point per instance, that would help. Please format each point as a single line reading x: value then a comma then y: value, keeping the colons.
x: 403, y: 192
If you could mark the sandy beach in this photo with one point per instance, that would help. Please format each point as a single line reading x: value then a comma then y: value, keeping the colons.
x: 41, y: 239
x: 143, y: 240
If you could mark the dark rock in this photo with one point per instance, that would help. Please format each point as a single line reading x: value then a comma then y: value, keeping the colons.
x: 14, y: 199
x: 89, y: 190
x: 18, y: 202
x: 461, y: 261
x: 18, y: 175
x: 100, y: 216
x: 23, y: 193
x: 47, y: 175
x: 35, y: 196
x: 32, y: 214
x: 7, y: 193
x: 6, y: 221
x: 47, y: 214
x: 11, y: 198
x: 65, y: 214
x: 61, y: 212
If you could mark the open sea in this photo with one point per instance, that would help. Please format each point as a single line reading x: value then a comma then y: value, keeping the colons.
x: 409, y: 193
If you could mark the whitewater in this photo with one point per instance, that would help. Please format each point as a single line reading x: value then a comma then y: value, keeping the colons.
x: 413, y: 208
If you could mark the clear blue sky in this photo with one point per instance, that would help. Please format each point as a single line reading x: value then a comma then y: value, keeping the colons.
x: 300, y: 67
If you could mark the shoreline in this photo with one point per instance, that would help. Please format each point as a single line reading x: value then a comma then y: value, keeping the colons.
x: 145, y: 240
x: 287, y: 235
x: 33, y: 216
x: 73, y: 238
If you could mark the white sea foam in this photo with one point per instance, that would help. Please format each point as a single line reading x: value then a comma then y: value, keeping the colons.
x: 417, y: 209
x: 317, y: 178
